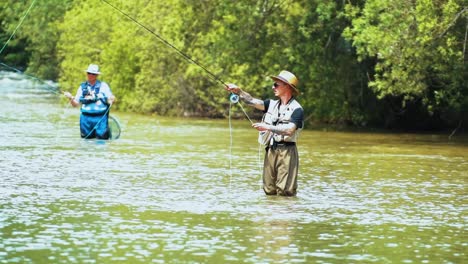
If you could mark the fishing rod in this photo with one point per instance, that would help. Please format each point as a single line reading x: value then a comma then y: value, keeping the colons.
x: 234, y: 98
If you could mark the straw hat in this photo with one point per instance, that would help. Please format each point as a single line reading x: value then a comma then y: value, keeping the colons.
x: 288, y: 78
x: 93, y: 68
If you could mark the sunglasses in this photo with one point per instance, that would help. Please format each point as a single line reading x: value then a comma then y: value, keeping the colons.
x: 275, y: 84
x: 91, y: 73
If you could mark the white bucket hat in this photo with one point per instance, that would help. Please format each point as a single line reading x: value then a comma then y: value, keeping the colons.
x: 93, y: 68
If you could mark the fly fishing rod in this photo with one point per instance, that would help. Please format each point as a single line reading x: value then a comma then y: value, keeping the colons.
x: 234, y: 98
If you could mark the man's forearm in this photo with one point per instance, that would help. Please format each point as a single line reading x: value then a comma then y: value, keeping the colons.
x: 284, y: 129
x: 248, y: 99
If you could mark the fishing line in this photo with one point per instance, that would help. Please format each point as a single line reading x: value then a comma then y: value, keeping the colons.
x: 21, y: 22
x: 230, y: 145
x: 243, y: 110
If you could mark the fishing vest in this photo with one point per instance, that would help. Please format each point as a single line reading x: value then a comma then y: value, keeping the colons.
x: 92, y: 101
x: 276, y: 115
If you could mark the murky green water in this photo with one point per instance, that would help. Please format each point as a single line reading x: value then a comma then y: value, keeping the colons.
x: 176, y: 191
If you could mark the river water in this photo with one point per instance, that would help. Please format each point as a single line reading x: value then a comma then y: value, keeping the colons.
x: 189, y: 191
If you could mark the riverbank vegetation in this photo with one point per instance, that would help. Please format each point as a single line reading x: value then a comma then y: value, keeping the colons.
x: 395, y: 64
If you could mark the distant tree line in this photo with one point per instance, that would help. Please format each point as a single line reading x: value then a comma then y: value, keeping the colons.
x: 398, y: 64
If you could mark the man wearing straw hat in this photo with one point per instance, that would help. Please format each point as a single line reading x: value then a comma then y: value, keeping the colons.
x: 279, y: 130
x: 96, y: 99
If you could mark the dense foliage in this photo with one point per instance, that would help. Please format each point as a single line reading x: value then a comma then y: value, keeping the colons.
x: 34, y: 46
x: 393, y: 64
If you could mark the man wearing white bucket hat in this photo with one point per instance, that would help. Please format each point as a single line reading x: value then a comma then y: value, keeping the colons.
x: 279, y: 130
x: 96, y: 99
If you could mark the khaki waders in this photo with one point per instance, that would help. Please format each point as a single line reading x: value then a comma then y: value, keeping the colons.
x: 280, y: 170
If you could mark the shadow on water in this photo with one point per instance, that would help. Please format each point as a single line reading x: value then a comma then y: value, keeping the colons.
x: 173, y: 190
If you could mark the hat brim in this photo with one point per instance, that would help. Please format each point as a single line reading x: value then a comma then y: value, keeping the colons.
x: 93, y: 72
x: 279, y: 78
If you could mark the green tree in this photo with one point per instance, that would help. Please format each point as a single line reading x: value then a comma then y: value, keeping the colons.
x: 409, y: 55
x: 419, y: 48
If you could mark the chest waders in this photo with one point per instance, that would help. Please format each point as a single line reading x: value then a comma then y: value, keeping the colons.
x: 94, y: 112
